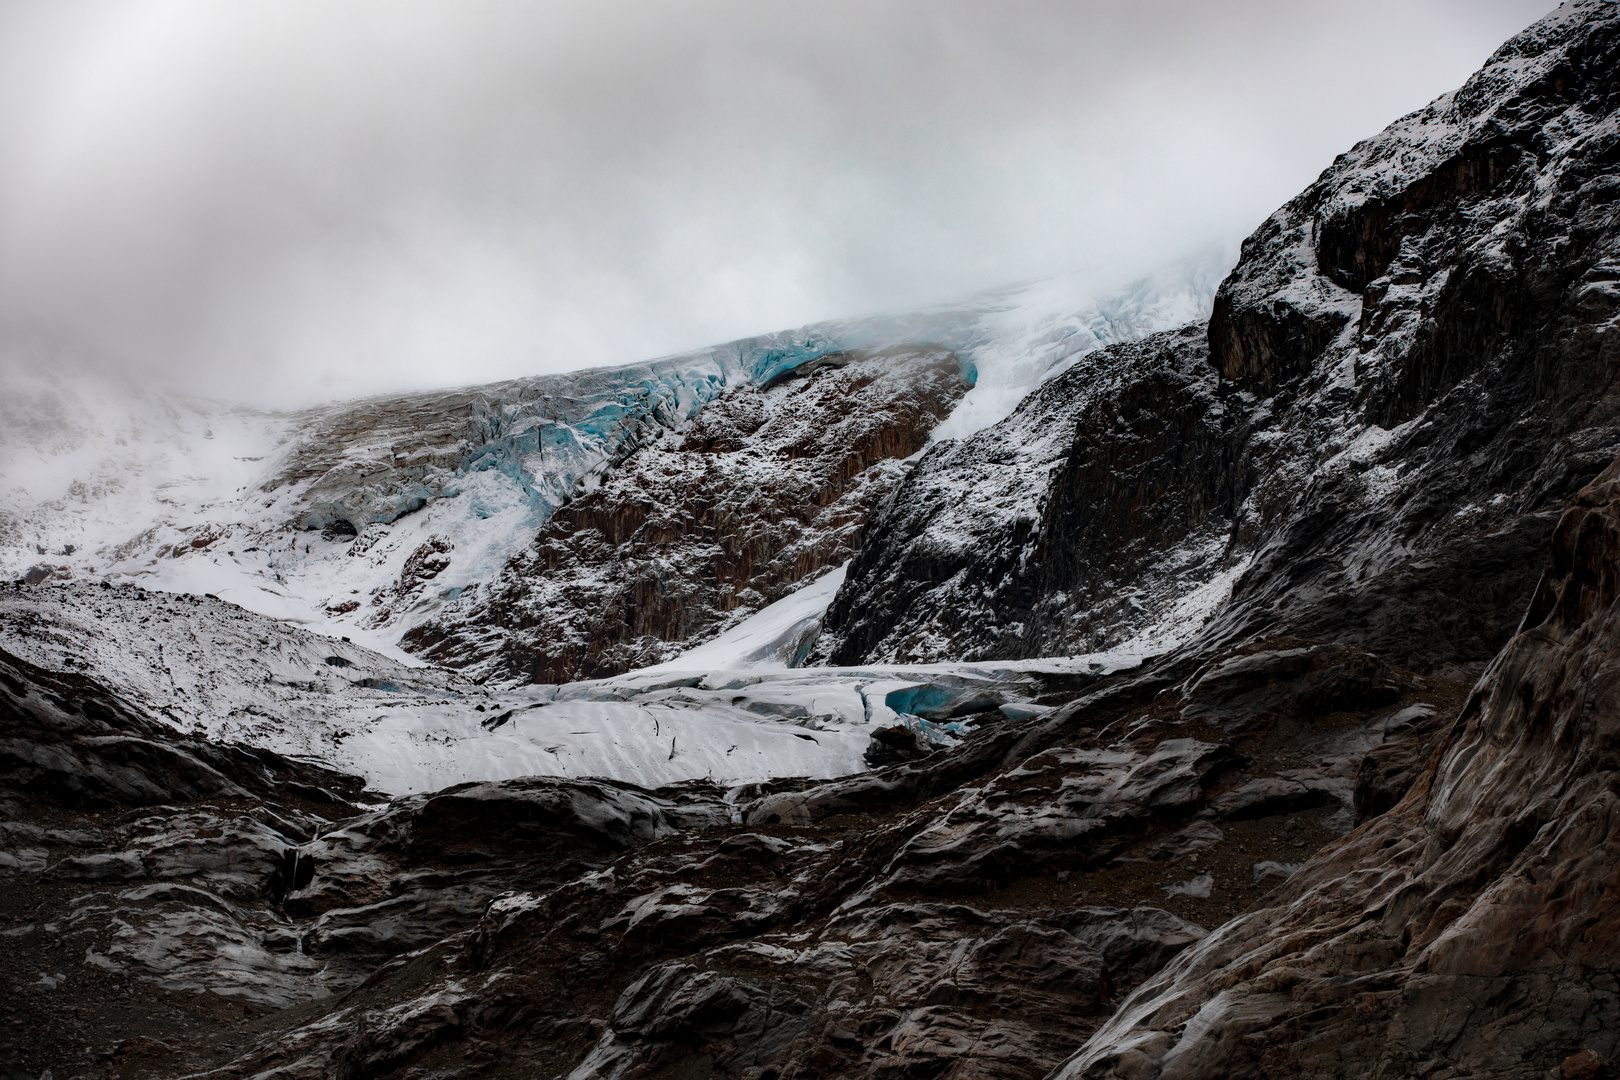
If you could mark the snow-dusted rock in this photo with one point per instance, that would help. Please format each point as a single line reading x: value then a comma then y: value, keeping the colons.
x: 1321, y: 525
x: 1079, y: 522
x: 364, y: 518
x: 1409, y: 372
x: 765, y: 489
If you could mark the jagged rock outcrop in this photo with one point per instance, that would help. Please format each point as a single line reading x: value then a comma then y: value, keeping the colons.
x: 975, y: 913
x: 1473, y: 928
x: 1415, y: 374
x: 1050, y: 531
x: 155, y: 881
x: 939, y: 915
x: 1472, y: 249
x: 767, y: 487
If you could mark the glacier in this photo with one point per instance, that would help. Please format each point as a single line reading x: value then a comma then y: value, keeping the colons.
x: 730, y: 712
x: 294, y: 549
x: 101, y: 477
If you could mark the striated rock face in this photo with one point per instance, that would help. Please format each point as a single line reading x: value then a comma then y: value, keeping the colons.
x: 977, y: 913
x: 1471, y: 927
x: 1409, y: 374
x: 162, y: 881
x: 767, y: 487
x: 1472, y: 251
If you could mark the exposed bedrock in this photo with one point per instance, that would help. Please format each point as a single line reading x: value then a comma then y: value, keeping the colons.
x: 1474, y: 926
x: 68, y: 740
x: 767, y: 487
x: 975, y: 913
x: 1410, y: 371
x: 1047, y: 532
x: 1361, y: 822
x: 154, y: 881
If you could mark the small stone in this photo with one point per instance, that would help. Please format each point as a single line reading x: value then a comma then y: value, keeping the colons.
x: 1267, y: 870
x: 1199, y: 886
x: 1582, y: 1066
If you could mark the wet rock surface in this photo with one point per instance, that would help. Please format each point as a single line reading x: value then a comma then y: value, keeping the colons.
x: 1470, y: 928
x: 205, y: 886
x: 973, y: 912
x: 769, y: 486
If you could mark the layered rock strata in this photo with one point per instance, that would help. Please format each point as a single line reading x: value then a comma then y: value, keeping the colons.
x: 1329, y: 852
x: 979, y: 911
x: 1473, y: 927
x: 1060, y: 529
x: 157, y: 883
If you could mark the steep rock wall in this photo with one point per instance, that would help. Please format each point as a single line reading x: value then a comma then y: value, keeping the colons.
x: 1048, y: 533
x: 1414, y: 374
x: 1474, y: 925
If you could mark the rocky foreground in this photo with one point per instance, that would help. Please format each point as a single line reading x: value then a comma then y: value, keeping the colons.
x: 1362, y: 822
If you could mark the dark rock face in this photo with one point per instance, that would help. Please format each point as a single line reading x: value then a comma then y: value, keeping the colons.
x: 976, y: 913
x: 160, y: 880
x: 1049, y: 532
x: 67, y: 740
x: 766, y: 488
x: 1302, y: 681
x: 1472, y: 926
x: 900, y: 990
x: 1471, y: 244
x: 1414, y: 364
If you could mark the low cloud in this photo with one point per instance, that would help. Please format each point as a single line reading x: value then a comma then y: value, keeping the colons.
x: 295, y: 201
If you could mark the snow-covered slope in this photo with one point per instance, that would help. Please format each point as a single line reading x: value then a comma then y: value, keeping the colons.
x: 733, y: 713
x: 104, y: 478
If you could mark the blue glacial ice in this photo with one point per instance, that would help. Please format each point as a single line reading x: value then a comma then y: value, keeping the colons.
x: 553, y: 434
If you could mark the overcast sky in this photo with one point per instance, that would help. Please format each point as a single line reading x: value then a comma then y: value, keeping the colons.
x: 293, y: 201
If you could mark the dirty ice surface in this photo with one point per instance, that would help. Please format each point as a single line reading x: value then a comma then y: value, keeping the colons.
x: 733, y: 711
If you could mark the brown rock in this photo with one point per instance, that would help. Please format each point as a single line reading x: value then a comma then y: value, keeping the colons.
x: 1484, y: 897
x: 768, y: 486
x: 1582, y: 1066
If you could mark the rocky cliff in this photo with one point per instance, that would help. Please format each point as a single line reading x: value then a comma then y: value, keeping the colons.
x: 1471, y: 930
x: 976, y: 912
x: 1407, y: 377
x: 1065, y: 528
x: 767, y: 487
